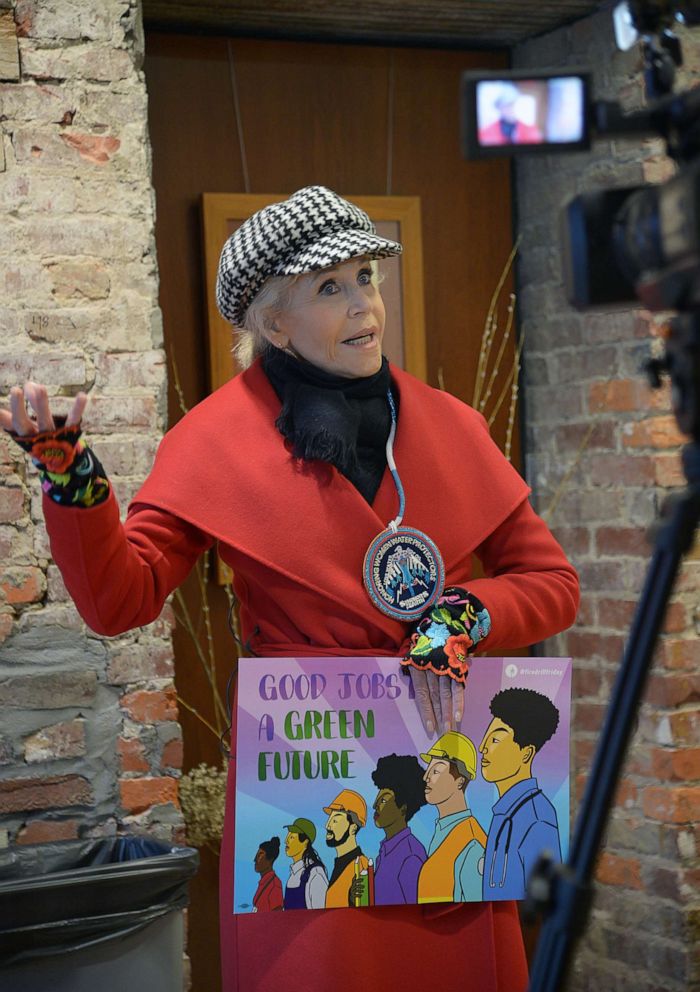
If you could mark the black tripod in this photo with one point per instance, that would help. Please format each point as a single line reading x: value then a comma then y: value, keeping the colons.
x: 563, y: 892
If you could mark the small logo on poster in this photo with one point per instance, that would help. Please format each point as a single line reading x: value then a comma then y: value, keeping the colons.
x: 511, y: 671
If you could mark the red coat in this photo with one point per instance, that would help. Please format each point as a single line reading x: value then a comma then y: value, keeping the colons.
x: 295, y: 536
x: 525, y: 134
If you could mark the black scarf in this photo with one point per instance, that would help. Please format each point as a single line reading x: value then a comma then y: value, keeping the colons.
x: 345, y: 422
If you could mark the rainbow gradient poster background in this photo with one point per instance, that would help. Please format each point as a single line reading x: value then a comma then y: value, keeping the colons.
x: 366, y: 708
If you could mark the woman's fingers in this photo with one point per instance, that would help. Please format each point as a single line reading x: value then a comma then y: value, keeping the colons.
x: 457, y: 702
x: 19, y: 420
x: 423, y: 701
x: 445, y: 687
x: 434, y: 690
x: 39, y: 399
x: 439, y: 699
x: 77, y: 410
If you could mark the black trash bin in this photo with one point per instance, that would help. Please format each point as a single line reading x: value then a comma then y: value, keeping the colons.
x: 94, y: 916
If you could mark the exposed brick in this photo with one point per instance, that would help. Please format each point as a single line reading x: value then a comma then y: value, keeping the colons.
x: 88, y: 61
x: 689, y: 581
x: 61, y: 370
x: 107, y: 412
x: 59, y: 21
x: 615, y: 870
x: 574, y: 366
x: 144, y: 369
x: 586, y: 682
x: 574, y: 540
x: 132, y: 755
x: 11, y: 504
x: 6, y: 623
x: 656, y: 432
x: 138, y: 794
x: 62, y: 740
x: 676, y: 804
x: 125, y: 454
x: 621, y: 541
x: 48, y: 831
x: 604, y: 576
x: 22, y: 585
x: 7, y: 751
x: 9, y: 52
x: 589, y: 716
x: 573, y: 436
x: 624, y: 396
x: 677, y: 764
x: 683, y: 655
x: 586, y: 611
x: 585, y: 646
x: 669, y: 690
x: 48, y: 690
x: 79, y: 279
x: 172, y: 755
x: 135, y: 664
x: 668, y: 471
x: 622, y: 470
x: 684, y: 726
x: 24, y: 794
x: 96, y: 149
x: 150, y: 706
x: 616, y: 614
x: 675, y: 619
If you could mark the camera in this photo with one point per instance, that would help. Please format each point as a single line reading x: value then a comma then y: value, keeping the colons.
x: 619, y: 246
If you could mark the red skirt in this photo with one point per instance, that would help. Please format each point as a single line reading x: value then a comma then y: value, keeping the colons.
x: 471, y: 947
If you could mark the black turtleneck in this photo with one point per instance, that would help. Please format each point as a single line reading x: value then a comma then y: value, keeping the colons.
x: 331, y: 418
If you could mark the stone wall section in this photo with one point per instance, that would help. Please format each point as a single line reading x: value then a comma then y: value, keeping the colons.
x: 602, y: 454
x: 89, y: 737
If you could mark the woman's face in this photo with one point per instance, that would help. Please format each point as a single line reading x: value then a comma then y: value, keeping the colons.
x: 335, y: 319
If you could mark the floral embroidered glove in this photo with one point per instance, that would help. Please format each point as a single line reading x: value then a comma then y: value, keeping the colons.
x: 448, y: 633
x: 70, y: 473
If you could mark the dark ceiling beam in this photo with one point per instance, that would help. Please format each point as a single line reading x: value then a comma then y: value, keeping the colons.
x: 435, y: 23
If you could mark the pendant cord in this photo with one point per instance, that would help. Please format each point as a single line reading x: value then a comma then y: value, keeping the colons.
x: 396, y: 522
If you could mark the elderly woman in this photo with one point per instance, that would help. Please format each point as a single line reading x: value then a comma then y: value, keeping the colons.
x: 303, y: 469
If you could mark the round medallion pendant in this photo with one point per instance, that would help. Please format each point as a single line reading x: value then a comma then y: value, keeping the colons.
x: 403, y: 573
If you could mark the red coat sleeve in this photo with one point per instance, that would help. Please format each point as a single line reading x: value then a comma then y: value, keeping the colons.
x: 531, y: 590
x: 119, y: 575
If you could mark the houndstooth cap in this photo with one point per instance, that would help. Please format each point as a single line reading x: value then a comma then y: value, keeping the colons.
x: 311, y: 230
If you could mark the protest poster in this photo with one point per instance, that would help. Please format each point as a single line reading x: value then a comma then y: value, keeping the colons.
x: 335, y: 769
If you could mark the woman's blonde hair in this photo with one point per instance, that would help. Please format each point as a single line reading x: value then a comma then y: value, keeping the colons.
x: 251, y: 338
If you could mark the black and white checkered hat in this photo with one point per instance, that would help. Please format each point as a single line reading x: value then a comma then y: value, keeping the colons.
x: 311, y: 230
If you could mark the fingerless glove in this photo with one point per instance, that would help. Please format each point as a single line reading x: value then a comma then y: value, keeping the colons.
x: 448, y: 633
x: 70, y: 473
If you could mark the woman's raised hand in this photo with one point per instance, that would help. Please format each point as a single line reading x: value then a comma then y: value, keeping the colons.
x: 17, y: 419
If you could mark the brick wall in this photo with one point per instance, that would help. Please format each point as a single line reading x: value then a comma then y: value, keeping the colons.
x: 593, y: 424
x: 89, y: 737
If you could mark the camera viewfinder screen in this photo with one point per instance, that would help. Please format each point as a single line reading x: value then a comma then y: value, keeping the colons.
x: 530, y: 111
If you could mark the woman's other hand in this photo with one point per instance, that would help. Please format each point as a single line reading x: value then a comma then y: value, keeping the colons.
x: 17, y: 419
x: 440, y: 701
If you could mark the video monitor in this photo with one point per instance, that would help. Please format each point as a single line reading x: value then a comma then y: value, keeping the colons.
x: 507, y: 113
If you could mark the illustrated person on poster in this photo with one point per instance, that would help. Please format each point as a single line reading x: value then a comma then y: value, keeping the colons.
x: 268, y: 895
x: 452, y: 872
x: 399, y: 778
x: 307, y: 883
x: 524, y: 821
x: 346, y: 815
x: 509, y: 129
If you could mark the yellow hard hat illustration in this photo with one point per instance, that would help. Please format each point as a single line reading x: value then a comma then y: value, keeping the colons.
x: 457, y: 748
